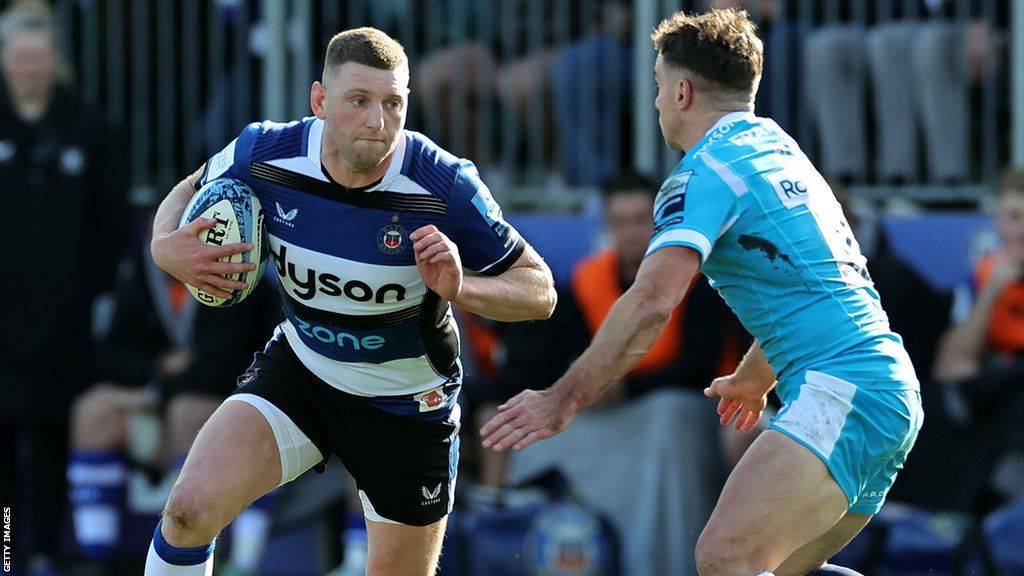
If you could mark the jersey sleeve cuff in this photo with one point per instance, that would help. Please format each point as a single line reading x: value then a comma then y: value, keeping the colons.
x: 681, y: 237
x: 506, y: 261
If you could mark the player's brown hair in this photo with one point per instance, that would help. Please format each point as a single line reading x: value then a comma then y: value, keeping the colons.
x: 368, y: 46
x: 720, y: 45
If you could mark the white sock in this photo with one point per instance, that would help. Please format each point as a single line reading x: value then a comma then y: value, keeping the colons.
x: 165, y: 559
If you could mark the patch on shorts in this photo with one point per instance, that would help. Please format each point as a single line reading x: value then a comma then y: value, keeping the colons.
x: 818, y: 415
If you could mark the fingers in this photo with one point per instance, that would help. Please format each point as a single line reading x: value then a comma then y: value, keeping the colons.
x: 529, y: 440
x: 499, y: 420
x: 224, y: 283
x: 213, y: 290
x: 198, y: 225
x: 506, y: 436
x: 730, y: 412
x: 423, y: 231
x: 230, y: 250
x: 226, y: 268
x: 715, y: 387
x: 750, y: 421
x: 428, y: 253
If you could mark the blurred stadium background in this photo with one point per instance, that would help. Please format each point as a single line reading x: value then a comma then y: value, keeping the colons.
x: 912, y: 108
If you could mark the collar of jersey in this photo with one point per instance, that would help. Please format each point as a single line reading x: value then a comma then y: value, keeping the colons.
x: 394, y: 169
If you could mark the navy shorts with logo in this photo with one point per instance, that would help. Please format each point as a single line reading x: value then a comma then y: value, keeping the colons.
x: 403, y: 451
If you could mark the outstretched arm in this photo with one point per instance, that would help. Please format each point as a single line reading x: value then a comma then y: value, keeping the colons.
x: 632, y: 326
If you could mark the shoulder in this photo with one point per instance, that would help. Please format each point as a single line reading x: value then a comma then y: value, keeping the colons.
x: 268, y: 140
x: 436, y: 170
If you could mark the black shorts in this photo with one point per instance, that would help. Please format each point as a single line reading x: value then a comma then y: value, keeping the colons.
x: 402, y: 450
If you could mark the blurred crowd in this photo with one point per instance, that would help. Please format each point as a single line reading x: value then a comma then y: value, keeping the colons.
x: 109, y: 368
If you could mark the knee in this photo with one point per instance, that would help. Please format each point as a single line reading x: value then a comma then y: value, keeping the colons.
x: 188, y: 519
x: 720, y: 554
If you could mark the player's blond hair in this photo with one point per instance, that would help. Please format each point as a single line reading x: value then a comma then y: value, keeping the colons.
x: 720, y: 46
x: 368, y: 46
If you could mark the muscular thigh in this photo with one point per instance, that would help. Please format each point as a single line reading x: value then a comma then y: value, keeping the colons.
x: 777, y: 499
x: 815, y: 553
x: 233, y: 461
x: 401, y: 550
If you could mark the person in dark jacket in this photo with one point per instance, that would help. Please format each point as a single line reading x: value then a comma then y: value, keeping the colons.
x: 63, y: 186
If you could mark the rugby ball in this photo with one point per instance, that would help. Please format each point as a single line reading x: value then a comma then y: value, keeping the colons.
x: 232, y: 204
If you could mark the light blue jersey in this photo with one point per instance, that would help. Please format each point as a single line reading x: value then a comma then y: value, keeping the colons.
x: 775, y: 244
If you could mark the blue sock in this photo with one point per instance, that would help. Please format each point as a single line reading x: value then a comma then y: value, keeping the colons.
x: 96, y: 484
x: 165, y: 559
x: 833, y: 570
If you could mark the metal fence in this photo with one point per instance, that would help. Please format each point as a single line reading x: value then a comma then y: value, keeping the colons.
x: 548, y: 97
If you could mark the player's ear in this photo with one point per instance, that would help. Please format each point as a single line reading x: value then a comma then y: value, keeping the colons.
x: 317, y: 99
x: 684, y: 93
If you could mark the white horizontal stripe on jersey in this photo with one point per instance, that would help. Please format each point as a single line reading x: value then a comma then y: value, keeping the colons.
x: 309, y: 265
x: 670, y: 237
x: 393, y: 378
x: 300, y: 165
x: 402, y: 184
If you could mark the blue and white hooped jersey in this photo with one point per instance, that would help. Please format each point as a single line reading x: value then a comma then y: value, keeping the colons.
x: 358, y: 314
x: 774, y: 242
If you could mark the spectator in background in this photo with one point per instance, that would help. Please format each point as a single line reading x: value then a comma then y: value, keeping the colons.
x: 561, y: 85
x: 921, y: 72
x: 64, y: 190
x: 591, y: 85
x: 982, y: 355
x: 167, y: 354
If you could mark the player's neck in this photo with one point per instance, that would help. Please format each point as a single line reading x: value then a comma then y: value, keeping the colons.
x: 348, y: 176
x: 703, y: 123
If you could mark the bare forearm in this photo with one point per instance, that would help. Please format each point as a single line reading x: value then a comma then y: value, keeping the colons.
x: 632, y: 326
x: 754, y: 367
x: 169, y: 213
x: 521, y: 293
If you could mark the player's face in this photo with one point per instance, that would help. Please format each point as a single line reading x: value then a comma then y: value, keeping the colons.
x: 630, y: 221
x: 364, y: 109
x: 1010, y: 220
x: 29, y: 63
x: 667, y: 85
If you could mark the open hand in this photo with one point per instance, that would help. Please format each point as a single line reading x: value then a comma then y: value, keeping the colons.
x: 437, y: 258
x: 739, y: 400
x: 528, y: 417
x: 182, y: 255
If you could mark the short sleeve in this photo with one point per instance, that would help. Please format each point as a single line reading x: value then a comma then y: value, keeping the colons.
x: 691, y: 209
x: 487, y: 243
x: 233, y: 161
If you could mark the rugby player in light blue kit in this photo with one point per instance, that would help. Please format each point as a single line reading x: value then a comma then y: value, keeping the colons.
x: 374, y: 229
x: 747, y: 208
